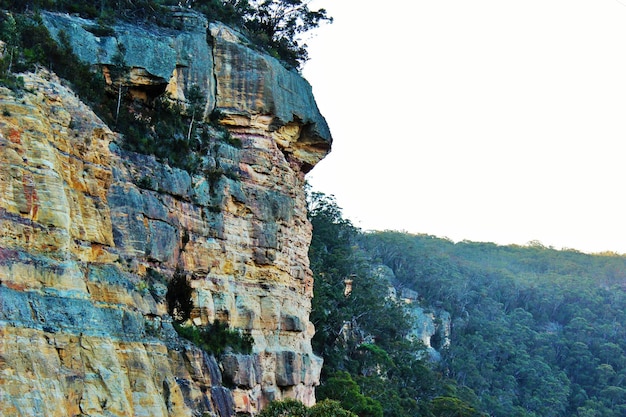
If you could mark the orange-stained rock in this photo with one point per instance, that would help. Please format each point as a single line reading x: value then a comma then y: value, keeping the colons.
x: 90, y: 234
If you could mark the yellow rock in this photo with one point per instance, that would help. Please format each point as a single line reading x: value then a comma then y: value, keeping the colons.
x: 86, y: 254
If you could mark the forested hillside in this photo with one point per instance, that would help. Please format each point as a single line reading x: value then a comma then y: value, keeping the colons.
x: 535, y: 331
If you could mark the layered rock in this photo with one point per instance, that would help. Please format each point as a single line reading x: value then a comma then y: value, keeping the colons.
x: 90, y: 234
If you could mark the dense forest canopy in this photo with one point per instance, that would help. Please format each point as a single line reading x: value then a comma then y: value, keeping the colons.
x: 534, y: 331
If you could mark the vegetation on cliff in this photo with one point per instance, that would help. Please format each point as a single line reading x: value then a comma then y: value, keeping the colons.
x: 168, y: 129
x: 535, y: 331
x: 273, y: 25
x: 162, y: 127
x: 293, y: 408
x: 370, y: 364
x: 215, y: 338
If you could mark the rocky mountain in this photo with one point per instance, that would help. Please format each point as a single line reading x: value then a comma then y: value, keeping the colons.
x: 91, y: 233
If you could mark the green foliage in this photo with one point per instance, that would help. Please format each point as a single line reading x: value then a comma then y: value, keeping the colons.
x: 334, y: 258
x: 329, y: 408
x: 163, y: 130
x: 229, y: 12
x: 341, y: 387
x: 278, y: 24
x: 101, y: 30
x: 294, y: 408
x: 145, y: 182
x: 452, y: 407
x: 285, y: 408
x: 12, y: 82
x: 178, y: 297
x: 130, y: 10
x: 375, y: 360
x: 29, y: 45
x: 161, y: 127
x: 216, y: 338
x: 9, y: 34
x: 536, y: 331
x: 274, y: 25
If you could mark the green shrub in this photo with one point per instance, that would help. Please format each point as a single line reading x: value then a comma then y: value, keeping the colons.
x: 294, y: 408
x: 145, y: 182
x: 341, y: 387
x: 30, y: 45
x: 452, y: 407
x: 285, y: 408
x: 274, y: 25
x: 101, y: 31
x: 216, y: 338
x: 329, y: 408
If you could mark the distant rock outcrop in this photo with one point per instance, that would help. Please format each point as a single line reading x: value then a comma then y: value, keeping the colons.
x: 90, y: 234
x: 431, y: 326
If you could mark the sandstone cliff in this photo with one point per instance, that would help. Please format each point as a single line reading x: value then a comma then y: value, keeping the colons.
x: 90, y: 234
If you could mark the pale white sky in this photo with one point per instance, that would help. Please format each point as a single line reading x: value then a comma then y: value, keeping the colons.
x: 487, y: 120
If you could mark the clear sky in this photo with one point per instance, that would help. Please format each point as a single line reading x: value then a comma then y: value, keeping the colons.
x: 487, y: 120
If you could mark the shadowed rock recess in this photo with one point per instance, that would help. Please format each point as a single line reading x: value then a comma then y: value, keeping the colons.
x: 90, y: 234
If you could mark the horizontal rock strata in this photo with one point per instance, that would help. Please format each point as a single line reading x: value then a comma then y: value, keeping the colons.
x: 90, y: 235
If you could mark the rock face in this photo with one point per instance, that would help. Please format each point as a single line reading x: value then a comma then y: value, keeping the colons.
x: 90, y: 234
x: 233, y: 78
x: 431, y: 326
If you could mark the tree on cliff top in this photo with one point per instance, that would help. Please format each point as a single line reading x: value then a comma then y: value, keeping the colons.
x: 276, y: 25
x: 280, y: 23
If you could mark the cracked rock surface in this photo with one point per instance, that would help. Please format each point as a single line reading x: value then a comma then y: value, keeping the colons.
x: 87, y: 246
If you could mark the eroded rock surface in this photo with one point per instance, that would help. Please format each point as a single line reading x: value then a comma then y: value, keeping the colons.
x: 90, y: 234
x: 233, y: 77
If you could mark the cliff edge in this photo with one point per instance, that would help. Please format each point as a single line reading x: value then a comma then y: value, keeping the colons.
x: 91, y: 234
